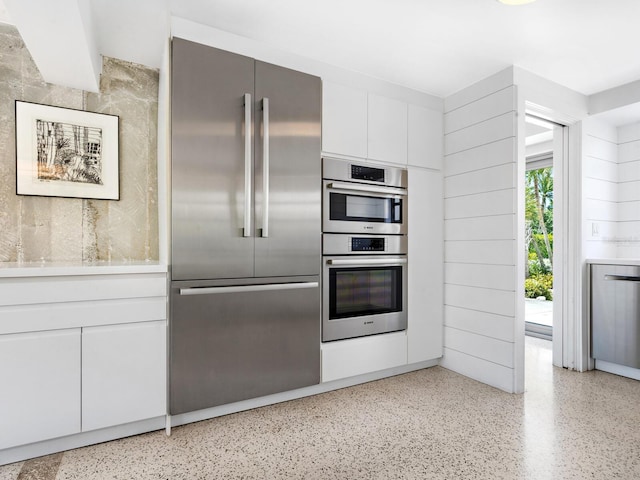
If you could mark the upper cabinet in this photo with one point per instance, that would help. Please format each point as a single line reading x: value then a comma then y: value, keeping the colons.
x: 387, y: 130
x: 359, y: 124
x: 425, y: 137
x: 344, y: 120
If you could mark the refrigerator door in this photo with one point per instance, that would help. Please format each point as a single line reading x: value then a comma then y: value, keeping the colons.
x: 288, y: 172
x: 615, y: 314
x: 231, y: 342
x: 211, y: 166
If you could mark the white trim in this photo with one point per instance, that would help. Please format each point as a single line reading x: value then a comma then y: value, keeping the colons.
x: 570, y: 345
x: 562, y: 330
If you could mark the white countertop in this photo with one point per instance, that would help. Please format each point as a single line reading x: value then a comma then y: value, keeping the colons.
x: 614, y: 261
x: 53, y: 269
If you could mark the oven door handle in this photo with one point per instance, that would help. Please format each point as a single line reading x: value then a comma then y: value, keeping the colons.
x: 391, y: 191
x: 370, y: 261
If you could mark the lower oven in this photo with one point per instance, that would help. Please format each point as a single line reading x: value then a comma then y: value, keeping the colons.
x: 364, y: 293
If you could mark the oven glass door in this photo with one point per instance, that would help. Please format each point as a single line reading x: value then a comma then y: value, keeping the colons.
x: 363, y: 208
x: 360, y: 291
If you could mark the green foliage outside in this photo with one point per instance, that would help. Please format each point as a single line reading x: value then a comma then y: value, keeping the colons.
x: 539, y: 234
x: 540, y: 285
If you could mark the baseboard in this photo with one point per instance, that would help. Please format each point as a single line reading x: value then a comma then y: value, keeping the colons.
x: 205, y: 414
x: 616, y: 369
x: 32, y: 450
x: 46, y: 447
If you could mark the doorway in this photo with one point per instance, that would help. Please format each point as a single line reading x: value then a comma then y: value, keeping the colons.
x: 543, y: 153
x: 538, y: 282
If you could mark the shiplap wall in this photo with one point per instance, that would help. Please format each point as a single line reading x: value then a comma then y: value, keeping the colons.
x: 600, y: 189
x: 611, y: 190
x: 480, y: 231
x: 629, y: 191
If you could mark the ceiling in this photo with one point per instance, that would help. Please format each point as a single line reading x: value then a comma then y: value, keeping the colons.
x: 434, y: 46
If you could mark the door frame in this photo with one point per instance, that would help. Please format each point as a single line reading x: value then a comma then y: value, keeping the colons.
x: 570, y: 336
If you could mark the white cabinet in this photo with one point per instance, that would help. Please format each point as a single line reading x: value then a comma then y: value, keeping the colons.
x: 79, y: 352
x: 426, y: 137
x: 357, y: 356
x: 387, y: 130
x: 425, y: 268
x: 356, y: 123
x: 123, y: 373
x: 40, y: 379
x: 344, y: 120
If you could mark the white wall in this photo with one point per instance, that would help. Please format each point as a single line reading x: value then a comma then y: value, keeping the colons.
x: 480, y: 231
x: 600, y: 197
x: 629, y: 191
x: 611, y: 186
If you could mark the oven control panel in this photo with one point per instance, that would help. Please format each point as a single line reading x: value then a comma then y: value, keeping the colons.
x: 360, y: 172
x: 345, y: 244
x: 367, y: 244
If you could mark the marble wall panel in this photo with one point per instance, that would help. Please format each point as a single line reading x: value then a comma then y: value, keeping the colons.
x: 10, y: 88
x: 50, y: 229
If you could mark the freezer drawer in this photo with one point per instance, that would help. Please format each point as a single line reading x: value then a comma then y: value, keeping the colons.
x: 241, y: 341
x: 615, y: 314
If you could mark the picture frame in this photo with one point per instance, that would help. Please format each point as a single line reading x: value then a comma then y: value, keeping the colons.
x: 62, y: 152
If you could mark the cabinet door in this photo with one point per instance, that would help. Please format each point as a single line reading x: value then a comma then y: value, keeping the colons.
x: 123, y: 373
x: 344, y: 120
x: 40, y: 378
x: 425, y: 137
x: 387, y: 135
x: 288, y: 178
x: 425, y: 269
x: 211, y: 199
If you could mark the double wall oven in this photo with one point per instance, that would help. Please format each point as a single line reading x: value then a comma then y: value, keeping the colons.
x: 364, y: 249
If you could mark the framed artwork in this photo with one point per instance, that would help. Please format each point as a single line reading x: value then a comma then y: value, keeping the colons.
x: 62, y: 152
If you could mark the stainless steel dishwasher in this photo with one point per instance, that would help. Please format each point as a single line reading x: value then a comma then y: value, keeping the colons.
x: 615, y: 314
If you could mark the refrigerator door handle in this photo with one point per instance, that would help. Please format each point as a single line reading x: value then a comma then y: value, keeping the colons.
x: 623, y: 278
x: 248, y: 288
x: 246, y: 230
x: 265, y: 168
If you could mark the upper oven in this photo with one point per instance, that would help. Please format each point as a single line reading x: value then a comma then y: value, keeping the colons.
x: 360, y: 198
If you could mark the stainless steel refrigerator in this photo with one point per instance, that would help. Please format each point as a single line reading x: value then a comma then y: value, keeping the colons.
x: 245, y: 228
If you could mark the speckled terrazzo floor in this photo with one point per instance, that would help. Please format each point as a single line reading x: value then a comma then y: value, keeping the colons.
x: 430, y: 424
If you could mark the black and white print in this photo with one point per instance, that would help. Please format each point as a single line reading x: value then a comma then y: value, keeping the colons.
x: 62, y: 152
x: 69, y: 152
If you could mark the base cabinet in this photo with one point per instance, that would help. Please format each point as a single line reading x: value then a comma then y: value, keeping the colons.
x: 358, y: 356
x: 40, y: 378
x: 90, y: 357
x: 123, y: 374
